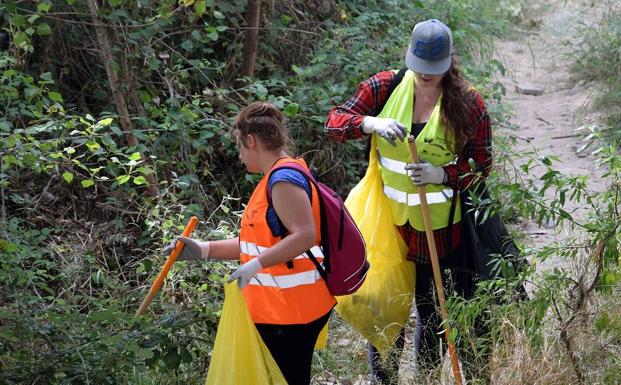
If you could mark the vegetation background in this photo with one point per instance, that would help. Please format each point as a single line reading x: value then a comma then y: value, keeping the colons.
x: 114, y: 124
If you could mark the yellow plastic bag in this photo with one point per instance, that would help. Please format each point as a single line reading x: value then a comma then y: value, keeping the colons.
x: 322, y: 339
x: 240, y: 356
x: 381, y: 307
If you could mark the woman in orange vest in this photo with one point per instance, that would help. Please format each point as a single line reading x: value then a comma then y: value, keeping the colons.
x: 287, y: 298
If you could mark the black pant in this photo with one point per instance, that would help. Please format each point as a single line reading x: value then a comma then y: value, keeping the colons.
x: 428, y: 321
x: 292, y: 347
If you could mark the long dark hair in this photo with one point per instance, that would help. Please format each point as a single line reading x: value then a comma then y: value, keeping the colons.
x: 458, y: 101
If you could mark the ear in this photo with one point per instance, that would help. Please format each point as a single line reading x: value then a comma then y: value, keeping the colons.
x: 251, y: 141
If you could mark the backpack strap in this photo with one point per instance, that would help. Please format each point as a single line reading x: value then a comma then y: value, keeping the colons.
x: 396, y: 80
x: 311, y: 179
x: 449, y: 239
x: 393, y: 84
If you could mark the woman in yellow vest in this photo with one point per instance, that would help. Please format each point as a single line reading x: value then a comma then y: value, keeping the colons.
x: 430, y: 101
x: 287, y: 298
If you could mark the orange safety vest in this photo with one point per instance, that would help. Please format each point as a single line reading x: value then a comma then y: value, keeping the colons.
x: 280, y: 294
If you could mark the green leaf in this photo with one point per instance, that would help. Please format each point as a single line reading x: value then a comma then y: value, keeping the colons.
x: 453, y: 335
x: 55, y: 96
x: 29, y: 92
x: 187, y: 45
x: 564, y: 214
x: 212, y: 33
x: 18, y: 22
x: 10, y: 6
x: 92, y: 145
x: 297, y: 70
x: 172, y: 358
x: 123, y: 179
x: 105, y: 122
x: 70, y: 2
x: 43, y: 29
x: 114, y: 3
x: 135, y: 156
x: 43, y: 7
x: 291, y: 110
x: 86, y: 183
x: 68, y: 176
x: 199, y: 8
x: 140, y: 180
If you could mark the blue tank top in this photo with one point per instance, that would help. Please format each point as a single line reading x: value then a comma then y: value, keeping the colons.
x: 289, y: 176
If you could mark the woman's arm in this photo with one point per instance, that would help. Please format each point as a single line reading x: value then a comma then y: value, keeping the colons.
x: 295, y: 212
x: 225, y: 249
x: 344, y: 121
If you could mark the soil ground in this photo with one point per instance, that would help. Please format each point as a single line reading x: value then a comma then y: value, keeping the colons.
x: 537, y: 60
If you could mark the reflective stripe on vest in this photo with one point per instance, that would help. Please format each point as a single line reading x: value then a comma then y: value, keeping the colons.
x: 255, y: 250
x: 433, y: 146
x: 286, y: 281
x: 282, y: 294
x: 413, y: 199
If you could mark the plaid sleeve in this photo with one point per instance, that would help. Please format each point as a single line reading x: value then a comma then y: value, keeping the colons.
x: 479, y: 148
x: 344, y: 121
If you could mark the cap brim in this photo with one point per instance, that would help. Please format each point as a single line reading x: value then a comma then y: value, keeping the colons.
x: 416, y: 64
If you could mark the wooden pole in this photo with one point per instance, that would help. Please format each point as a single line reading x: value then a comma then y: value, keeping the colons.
x: 169, y: 262
x: 435, y: 264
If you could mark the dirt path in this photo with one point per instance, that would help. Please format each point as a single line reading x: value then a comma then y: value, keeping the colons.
x: 537, y: 61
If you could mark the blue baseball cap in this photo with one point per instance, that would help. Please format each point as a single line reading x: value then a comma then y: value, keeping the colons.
x: 430, y: 48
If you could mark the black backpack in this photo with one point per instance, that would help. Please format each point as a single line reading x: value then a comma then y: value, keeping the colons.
x: 487, y: 243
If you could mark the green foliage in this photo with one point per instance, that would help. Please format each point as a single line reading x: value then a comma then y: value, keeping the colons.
x: 596, y: 56
x: 80, y: 242
x: 70, y: 318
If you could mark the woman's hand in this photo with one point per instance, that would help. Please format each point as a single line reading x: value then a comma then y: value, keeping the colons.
x: 193, y: 250
x: 246, y: 272
x: 388, y: 129
x: 426, y: 173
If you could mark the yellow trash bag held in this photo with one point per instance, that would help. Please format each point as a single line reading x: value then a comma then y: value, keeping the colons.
x: 240, y: 356
x: 381, y: 307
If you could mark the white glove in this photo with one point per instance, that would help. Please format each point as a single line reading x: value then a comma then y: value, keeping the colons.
x: 425, y: 173
x: 246, y: 272
x: 192, y: 249
x: 388, y: 129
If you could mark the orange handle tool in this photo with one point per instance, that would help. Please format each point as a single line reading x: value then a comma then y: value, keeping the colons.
x: 169, y: 262
x: 435, y: 264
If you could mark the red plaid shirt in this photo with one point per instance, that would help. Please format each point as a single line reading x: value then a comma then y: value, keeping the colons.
x: 344, y: 122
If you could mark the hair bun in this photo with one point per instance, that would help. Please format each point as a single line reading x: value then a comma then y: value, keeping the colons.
x: 265, y: 109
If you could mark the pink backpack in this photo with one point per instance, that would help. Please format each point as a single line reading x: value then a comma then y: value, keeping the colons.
x: 345, y: 264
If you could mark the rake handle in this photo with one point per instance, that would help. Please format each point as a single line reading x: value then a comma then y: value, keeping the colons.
x: 155, y: 287
x: 435, y: 264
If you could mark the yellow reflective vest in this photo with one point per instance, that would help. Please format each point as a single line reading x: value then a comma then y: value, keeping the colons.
x: 434, y: 146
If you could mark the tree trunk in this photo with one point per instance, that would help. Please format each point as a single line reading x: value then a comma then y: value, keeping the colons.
x: 113, y: 79
x: 252, y: 34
